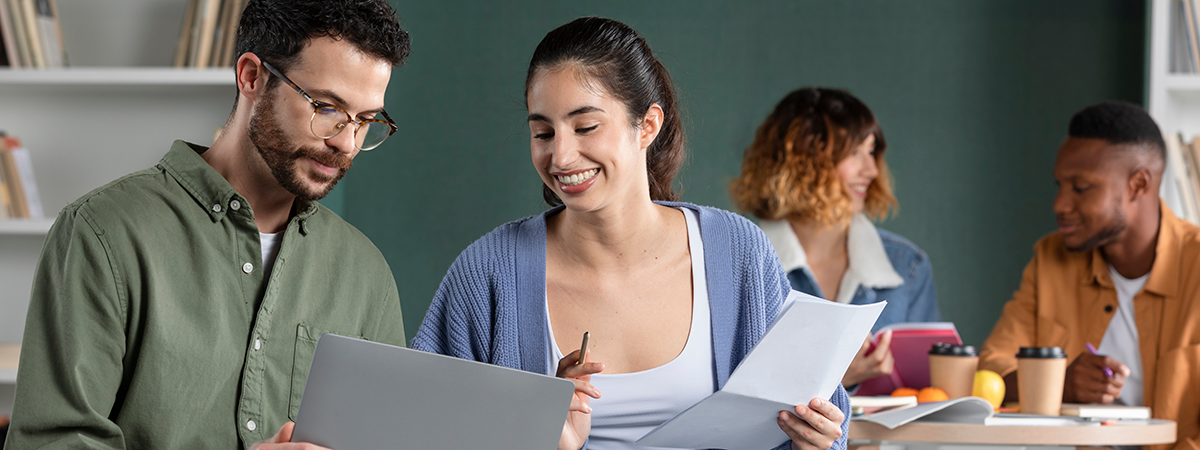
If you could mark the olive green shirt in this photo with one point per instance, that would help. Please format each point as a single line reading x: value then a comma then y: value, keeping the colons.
x: 151, y: 327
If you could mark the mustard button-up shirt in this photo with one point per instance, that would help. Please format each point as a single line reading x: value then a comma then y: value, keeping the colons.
x: 1067, y: 299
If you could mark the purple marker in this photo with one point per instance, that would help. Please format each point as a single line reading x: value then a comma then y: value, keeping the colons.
x: 1107, y: 372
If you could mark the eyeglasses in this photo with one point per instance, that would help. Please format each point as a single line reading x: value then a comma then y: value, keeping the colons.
x: 328, y: 120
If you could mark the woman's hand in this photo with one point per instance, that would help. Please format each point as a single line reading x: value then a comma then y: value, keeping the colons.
x: 865, y: 367
x: 814, y: 427
x: 579, y: 418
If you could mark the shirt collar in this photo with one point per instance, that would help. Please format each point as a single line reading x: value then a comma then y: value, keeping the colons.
x: 869, y: 262
x: 209, y: 189
x: 1164, y: 273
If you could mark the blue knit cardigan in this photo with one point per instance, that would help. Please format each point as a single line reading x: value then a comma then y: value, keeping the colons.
x: 491, y: 305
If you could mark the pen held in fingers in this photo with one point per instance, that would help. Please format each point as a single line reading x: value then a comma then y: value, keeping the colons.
x: 583, y: 349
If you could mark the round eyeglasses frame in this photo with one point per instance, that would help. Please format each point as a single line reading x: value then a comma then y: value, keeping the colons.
x: 317, y: 106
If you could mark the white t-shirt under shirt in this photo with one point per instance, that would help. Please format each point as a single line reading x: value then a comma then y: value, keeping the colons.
x: 270, y: 249
x: 632, y: 404
x: 1121, y: 338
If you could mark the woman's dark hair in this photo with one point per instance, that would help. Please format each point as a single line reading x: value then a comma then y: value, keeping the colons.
x: 790, y: 170
x: 277, y: 30
x: 614, y: 55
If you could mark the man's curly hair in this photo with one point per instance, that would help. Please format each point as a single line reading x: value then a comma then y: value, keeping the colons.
x: 277, y: 30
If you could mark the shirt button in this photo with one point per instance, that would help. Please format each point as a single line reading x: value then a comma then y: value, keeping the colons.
x: 235, y: 205
x: 250, y: 425
x: 247, y: 267
x: 217, y: 207
x: 257, y: 344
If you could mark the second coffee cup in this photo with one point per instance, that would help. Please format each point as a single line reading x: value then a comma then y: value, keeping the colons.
x: 1040, y: 374
x: 952, y: 368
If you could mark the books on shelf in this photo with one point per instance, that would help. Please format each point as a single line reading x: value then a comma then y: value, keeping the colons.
x: 208, y: 32
x: 966, y: 410
x: 31, y: 33
x: 1184, y: 40
x: 19, y: 198
x: 1183, y: 175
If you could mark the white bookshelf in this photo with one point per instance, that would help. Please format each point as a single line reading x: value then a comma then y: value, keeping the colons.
x: 93, y: 77
x: 1174, y: 99
x: 25, y: 227
x: 115, y: 110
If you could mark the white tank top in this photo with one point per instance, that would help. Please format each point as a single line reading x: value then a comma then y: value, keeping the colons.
x: 635, y: 403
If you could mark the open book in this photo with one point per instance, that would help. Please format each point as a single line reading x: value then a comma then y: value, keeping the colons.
x: 972, y: 410
x: 802, y: 356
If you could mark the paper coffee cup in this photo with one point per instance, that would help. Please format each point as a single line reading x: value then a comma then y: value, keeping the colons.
x: 1040, y: 374
x: 952, y: 369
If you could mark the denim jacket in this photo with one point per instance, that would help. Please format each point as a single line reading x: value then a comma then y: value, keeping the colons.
x: 883, y: 266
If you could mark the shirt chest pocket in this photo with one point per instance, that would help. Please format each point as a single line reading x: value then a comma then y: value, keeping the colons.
x: 306, y: 345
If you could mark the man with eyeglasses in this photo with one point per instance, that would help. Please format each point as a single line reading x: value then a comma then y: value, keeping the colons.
x: 179, y: 306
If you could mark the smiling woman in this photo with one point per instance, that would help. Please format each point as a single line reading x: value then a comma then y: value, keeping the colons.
x: 813, y: 175
x: 616, y: 257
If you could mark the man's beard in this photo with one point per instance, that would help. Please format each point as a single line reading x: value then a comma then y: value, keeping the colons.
x: 272, y: 144
x: 1105, y: 235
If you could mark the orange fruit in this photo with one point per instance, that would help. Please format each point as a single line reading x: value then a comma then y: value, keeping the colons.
x: 904, y: 392
x: 990, y: 386
x: 931, y: 394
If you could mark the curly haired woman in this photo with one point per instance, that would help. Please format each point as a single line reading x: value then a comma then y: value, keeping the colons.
x: 814, y: 176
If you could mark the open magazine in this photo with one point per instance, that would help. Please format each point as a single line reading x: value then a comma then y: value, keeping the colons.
x: 970, y: 410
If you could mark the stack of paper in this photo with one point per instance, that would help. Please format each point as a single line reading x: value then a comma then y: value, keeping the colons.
x: 803, y: 356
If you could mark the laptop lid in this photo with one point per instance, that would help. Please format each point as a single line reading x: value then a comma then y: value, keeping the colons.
x: 367, y: 395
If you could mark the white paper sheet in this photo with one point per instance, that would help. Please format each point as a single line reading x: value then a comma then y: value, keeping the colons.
x: 803, y: 356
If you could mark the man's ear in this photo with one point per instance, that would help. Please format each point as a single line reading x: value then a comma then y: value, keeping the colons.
x: 1139, y: 183
x: 650, y: 126
x: 251, y: 76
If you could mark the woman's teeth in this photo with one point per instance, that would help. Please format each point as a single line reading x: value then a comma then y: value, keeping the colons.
x: 571, y: 180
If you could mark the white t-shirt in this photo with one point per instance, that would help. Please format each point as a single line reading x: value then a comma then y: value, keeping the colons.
x: 1121, y: 338
x: 632, y: 404
x: 270, y: 249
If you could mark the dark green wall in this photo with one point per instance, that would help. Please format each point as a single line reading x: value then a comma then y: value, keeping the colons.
x: 973, y: 97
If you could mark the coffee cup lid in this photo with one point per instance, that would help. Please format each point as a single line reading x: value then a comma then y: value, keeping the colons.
x: 942, y: 348
x: 1041, y: 352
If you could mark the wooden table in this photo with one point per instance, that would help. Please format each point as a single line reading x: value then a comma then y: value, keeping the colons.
x: 1140, y: 432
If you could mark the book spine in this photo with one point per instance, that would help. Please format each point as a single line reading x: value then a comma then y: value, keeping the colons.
x: 29, y: 12
x: 1190, y: 16
x: 10, y: 39
x: 231, y: 36
x: 12, y: 179
x: 58, y: 32
x: 24, y: 163
x: 218, y: 45
x: 185, y: 36
x: 208, y: 27
x: 16, y: 17
x: 51, y: 47
x: 6, y: 206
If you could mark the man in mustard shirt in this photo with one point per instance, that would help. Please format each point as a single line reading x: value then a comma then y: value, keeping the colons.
x: 179, y: 306
x: 1122, y: 273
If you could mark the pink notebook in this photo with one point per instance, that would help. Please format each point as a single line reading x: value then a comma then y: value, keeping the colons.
x: 910, y: 350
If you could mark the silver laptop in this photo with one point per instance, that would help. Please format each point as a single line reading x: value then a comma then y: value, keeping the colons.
x: 366, y: 395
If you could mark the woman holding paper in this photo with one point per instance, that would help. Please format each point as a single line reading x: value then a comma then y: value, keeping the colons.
x: 617, y: 256
x: 815, y: 176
